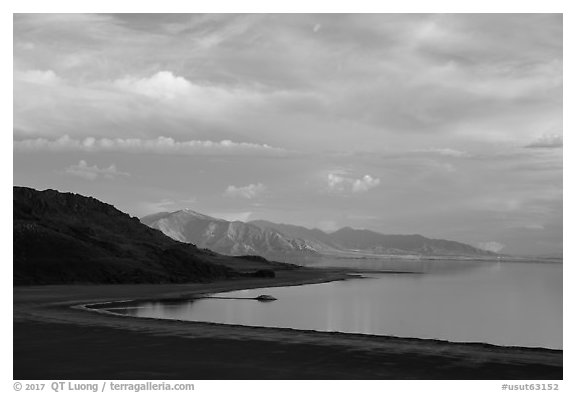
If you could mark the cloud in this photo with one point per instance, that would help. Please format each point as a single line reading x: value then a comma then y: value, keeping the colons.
x: 365, y: 183
x: 250, y: 191
x: 24, y: 45
x: 166, y: 86
x: 335, y: 181
x: 399, y: 97
x: 441, y: 75
x: 339, y: 182
x: 491, y: 246
x: 160, y: 145
x: 40, y: 77
x: 83, y: 170
x: 548, y: 141
x: 163, y: 84
x: 447, y: 152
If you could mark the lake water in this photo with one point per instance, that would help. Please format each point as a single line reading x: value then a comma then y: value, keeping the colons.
x: 516, y: 304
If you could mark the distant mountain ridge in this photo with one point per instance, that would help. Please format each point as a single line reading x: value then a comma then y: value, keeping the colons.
x: 369, y: 242
x: 284, y: 241
x: 365, y: 240
x: 226, y: 237
x: 62, y: 238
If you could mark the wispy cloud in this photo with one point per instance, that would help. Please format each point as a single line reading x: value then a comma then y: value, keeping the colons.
x: 85, y: 171
x: 250, y: 191
x: 41, y: 77
x: 548, y: 141
x: 160, y: 145
x: 447, y: 152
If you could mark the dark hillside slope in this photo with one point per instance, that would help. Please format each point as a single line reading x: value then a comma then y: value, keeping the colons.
x: 62, y: 238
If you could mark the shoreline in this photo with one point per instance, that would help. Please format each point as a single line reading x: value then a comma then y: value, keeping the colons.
x: 202, y: 293
x: 104, y: 308
x: 279, y: 351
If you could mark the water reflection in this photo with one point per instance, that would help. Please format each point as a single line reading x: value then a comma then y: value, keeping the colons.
x: 406, y: 265
x: 500, y: 303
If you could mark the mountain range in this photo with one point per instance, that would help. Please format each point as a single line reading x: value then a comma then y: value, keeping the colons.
x: 228, y: 237
x: 290, y: 242
x: 62, y: 238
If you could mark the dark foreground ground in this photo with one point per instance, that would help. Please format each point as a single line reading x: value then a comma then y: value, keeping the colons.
x: 52, y: 340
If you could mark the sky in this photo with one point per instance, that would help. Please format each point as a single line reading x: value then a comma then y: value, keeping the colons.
x: 446, y: 125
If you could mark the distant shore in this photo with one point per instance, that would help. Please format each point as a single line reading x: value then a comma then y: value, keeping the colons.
x: 53, y: 339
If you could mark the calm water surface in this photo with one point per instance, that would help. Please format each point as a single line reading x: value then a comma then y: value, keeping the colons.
x: 518, y: 304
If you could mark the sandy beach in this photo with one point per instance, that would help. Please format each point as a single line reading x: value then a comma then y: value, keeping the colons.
x: 55, y: 339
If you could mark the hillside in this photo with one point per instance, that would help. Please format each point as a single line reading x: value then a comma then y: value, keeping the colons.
x: 377, y: 243
x: 348, y: 240
x: 69, y: 238
x: 290, y: 242
x: 315, y: 238
x: 230, y: 238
